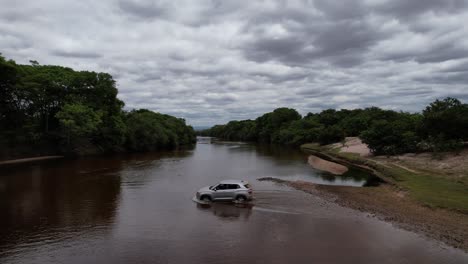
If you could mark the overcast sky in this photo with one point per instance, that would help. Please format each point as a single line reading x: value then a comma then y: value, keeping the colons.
x: 211, y: 61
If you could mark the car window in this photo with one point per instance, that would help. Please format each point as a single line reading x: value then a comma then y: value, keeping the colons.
x: 227, y: 186
x: 221, y: 187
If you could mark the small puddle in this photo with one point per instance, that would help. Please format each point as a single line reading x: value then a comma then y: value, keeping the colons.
x: 361, y: 177
x: 338, y: 174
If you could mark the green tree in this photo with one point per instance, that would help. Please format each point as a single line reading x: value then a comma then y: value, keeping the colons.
x: 78, y: 121
x: 270, y: 123
x: 446, y: 119
x: 394, y: 136
x: 442, y: 126
x: 148, y: 131
x: 330, y: 134
x: 9, y: 112
x: 41, y: 105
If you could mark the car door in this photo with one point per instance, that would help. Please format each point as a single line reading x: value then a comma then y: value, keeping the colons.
x: 232, y: 191
x: 222, y: 192
x: 228, y: 192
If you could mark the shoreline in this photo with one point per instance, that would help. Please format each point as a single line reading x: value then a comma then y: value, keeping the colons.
x: 420, y: 192
x: 387, y: 203
x: 325, y: 165
x: 436, y: 180
x: 28, y: 160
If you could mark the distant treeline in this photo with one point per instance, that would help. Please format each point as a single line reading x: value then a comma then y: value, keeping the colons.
x: 442, y: 126
x: 53, y: 109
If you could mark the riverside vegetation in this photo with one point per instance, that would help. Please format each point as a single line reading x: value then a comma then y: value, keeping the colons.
x: 48, y: 110
x: 442, y: 126
x: 441, y: 129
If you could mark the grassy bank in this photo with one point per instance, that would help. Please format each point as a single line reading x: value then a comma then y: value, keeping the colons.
x: 430, y: 187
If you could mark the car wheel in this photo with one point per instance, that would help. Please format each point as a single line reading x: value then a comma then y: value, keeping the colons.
x: 206, y: 198
x: 241, y: 199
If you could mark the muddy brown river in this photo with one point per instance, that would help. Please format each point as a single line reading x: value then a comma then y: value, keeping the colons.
x: 139, y: 209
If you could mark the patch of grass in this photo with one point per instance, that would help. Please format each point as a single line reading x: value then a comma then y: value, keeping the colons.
x: 311, y: 146
x: 350, y: 156
x: 464, y: 180
x: 334, y: 150
x: 427, y: 187
x: 432, y: 190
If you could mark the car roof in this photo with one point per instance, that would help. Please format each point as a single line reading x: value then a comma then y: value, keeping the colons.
x: 233, y: 182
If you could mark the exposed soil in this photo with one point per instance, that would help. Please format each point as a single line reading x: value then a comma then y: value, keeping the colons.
x: 388, y: 203
x: 451, y: 165
x: 325, y: 165
x: 354, y: 145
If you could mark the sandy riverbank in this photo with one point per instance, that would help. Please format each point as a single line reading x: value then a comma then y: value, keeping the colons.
x: 452, y: 165
x: 425, y: 192
x: 353, y: 145
x: 388, y: 203
x: 325, y: 165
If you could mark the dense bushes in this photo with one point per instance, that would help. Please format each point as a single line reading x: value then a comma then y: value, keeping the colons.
x: 59, y: 109
x: 393, y: 136
x: 442, y: 126
x: 446, y: 119
x: 151, y: 131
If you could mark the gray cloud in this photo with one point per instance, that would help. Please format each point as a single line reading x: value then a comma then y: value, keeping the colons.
x: 76, y: 54
x: 145, y: 9
x: 336, y: 33
x: 211, y: 61
x: 405, y: 9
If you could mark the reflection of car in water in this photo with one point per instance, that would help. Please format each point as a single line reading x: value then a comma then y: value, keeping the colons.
x: 227, y: 190
x: 224, y: 210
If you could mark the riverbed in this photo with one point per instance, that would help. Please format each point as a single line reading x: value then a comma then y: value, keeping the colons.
x: 139, y: 209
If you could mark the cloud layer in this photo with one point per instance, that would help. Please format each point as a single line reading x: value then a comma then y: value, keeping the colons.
x: 211, y: 61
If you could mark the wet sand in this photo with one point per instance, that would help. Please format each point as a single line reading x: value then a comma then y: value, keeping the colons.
x: 390, y: 204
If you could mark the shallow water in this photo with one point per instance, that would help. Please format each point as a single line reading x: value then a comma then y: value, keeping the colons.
x: 139, y: 209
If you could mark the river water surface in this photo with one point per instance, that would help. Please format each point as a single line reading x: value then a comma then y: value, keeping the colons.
x: 139, y: 209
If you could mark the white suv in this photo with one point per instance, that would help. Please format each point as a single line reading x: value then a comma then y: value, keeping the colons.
x: 228, y: 190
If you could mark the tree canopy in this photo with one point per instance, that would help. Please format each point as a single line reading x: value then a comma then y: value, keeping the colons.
x: 46, y: 109
x: 443, y: 125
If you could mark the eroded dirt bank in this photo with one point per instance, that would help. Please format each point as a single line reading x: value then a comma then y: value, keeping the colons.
x: 326, y: 165
x: 391, y: 204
